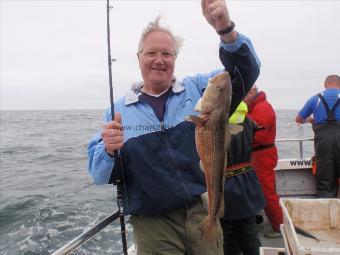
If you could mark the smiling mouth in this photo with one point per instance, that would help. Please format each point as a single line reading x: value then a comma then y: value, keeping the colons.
x: 158, y: 69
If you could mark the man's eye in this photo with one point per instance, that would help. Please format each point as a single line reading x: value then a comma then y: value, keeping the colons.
x: 163, y: 54
x: 150, y: 53
x: 167, y: 54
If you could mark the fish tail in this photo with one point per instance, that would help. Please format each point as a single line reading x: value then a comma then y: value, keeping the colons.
x: 220, y: 212
x: 305, y: 233
x: 208, y: 229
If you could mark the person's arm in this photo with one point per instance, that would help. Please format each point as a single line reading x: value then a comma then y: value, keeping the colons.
x: 265, y: 118
x: 243, y: 65
x: 300, y: 120
x: 236, y: 51
x: 101, y: 149
x: 304, y: 114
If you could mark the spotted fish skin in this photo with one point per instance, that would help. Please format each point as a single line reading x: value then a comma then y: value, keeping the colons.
x: 212, y: 139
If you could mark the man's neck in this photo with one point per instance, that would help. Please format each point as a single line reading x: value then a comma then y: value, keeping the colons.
x: 155, y: 90
x: 332, y: 87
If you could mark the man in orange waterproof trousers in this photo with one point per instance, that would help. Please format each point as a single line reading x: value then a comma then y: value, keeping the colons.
x: 264, y: 158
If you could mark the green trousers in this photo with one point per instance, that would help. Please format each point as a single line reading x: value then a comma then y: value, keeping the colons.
x: 175, y: 233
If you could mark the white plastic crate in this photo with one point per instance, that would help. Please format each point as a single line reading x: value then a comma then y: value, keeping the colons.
x: 320, y: 217
x: 285, y: 241
x: 272, y: 251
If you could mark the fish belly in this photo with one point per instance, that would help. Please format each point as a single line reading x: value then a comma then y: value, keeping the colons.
x: 210, y: 143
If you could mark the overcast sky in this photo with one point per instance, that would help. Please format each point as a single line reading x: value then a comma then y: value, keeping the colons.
x: 54, y: 53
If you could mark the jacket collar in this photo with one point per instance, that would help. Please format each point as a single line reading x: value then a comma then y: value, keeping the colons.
x: 132, y: 96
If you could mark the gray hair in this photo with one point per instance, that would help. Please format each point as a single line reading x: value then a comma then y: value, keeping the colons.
x: 156, y: 26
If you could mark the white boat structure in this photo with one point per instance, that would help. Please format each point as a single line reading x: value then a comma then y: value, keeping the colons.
x: 294, y: 179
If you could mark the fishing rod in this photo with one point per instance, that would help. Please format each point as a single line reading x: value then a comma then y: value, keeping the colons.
x: 118, y: 170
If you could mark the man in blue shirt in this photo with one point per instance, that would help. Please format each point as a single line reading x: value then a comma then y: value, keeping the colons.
x: 325, y: 108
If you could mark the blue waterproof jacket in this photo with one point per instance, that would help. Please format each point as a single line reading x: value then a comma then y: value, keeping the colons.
x: 159, y: 159
x: 243, y: 194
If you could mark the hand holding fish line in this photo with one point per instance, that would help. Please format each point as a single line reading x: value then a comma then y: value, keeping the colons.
x: 217, y: 15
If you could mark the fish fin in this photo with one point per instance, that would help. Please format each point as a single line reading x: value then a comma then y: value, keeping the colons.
x: 208, y: 229
x: 220, y: 212
x: 202, y: 167
x: 234, y: 129
x: 205, y: 201
x: 195, y: 119
x: 226, y: 146
x: 198, y: 106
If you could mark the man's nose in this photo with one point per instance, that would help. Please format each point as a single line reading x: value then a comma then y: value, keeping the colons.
x: 159, y: 57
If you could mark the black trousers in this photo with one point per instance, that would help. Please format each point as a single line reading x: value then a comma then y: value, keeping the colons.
x: 327, y: 156
x: 240, y: 236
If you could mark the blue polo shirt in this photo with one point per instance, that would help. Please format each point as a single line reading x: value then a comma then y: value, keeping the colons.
x: 315, y: 106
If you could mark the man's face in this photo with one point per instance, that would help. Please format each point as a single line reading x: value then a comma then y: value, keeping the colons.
x: 157, y: 60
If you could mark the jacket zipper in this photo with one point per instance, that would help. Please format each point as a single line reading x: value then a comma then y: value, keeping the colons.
x: 173, y: 158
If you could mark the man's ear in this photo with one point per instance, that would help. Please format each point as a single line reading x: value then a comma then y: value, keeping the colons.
x: 139, y: 60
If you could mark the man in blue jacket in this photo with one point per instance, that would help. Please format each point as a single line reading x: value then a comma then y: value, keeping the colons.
x: 163, y: 182
x: 325, y: 107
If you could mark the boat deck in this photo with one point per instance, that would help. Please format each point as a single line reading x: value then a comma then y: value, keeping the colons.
x: 268, y: 242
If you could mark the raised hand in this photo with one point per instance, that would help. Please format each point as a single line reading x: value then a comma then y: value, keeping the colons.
x: 217, y: 15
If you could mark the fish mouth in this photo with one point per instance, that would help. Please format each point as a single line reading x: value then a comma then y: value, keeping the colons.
x: 222, y: 76
x: 198, y: 108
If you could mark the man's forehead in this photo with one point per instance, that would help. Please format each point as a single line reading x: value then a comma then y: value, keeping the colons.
x: 158, y: 45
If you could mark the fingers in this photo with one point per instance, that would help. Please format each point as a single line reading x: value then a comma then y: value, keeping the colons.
x: 118, y: 118
x: 112, y: 138
x: 216, y: 13
x: 217, y: 9
x: 204, y: 7
x: 116, y: 123
x: 112, y: 134
x: 210, y: 6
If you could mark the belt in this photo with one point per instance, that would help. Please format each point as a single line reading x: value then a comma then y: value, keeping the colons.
x: 237, y: 169
x: 263, y: 146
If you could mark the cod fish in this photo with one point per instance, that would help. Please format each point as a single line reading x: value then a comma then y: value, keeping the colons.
x: 212, y: 137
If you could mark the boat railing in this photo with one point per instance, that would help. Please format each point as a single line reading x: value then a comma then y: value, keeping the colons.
x: 300, y: 141
x: 88, y: 234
